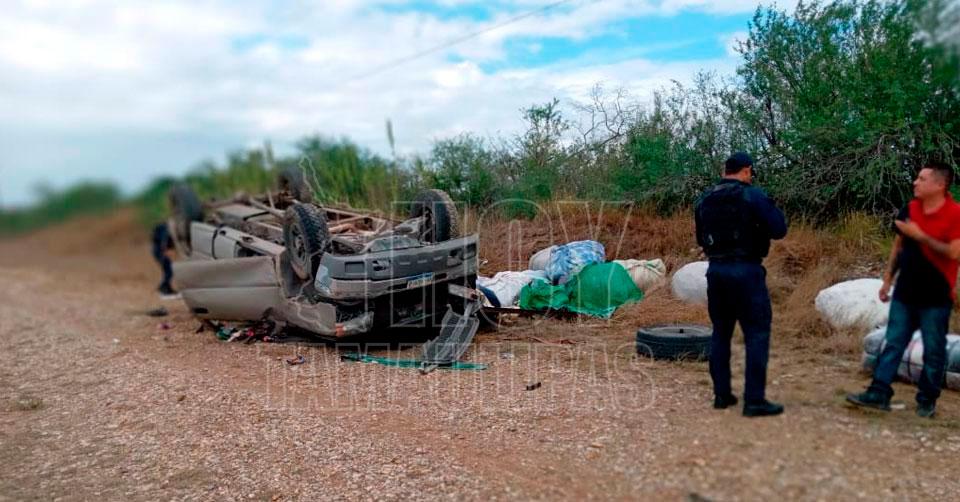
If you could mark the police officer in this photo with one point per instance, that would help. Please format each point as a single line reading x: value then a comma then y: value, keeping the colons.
x: 735, y: 223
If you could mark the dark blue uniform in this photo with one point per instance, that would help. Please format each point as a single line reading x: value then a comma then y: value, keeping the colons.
x: 162, y: 242
x: 735, y: 223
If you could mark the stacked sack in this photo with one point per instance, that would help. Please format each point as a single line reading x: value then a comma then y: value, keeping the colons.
x: 541, y: 259
x: 577, y: 278
x: 568, y: 260
x: 912, y: 363
x: 503, y: 289
x: 562, y: 262
x: 646, y: 274
x: 856, y: 305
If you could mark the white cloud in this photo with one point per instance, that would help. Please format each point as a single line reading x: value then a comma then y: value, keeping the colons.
x: 732, y: 41
x: 457, y: 75
x: 86, y: 79
x: 34, y: 46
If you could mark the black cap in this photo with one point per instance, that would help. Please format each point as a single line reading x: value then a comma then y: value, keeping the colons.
x: 738, y: 161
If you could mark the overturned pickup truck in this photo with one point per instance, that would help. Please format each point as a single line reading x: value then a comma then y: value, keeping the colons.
x: 333, y: 271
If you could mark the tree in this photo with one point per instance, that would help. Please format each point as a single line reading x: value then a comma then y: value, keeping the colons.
x: 463, y: 167
x: 849, y: 100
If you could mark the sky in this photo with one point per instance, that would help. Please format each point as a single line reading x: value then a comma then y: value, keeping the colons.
x: 128, y: 91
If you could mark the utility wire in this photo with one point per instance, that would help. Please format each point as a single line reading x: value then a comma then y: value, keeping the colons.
x: 450, y: 43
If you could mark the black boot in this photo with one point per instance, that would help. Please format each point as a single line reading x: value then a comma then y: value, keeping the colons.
x: 724, y: 402
x: 762, y: 409
x: 870, y: 399
x: 926, y: 409
x: 166, y: 291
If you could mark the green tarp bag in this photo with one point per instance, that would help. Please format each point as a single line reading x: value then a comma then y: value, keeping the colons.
x: 597, y: 291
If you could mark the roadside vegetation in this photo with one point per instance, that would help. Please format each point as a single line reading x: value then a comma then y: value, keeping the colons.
x: 839, y: 103
x: 55, y: 206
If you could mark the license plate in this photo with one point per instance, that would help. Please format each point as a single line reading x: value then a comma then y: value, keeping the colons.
x: 419, y: 282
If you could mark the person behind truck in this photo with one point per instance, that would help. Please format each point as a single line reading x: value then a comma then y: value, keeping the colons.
x: 924, y: 261
x: 735, y: 222
x: 162, y: 249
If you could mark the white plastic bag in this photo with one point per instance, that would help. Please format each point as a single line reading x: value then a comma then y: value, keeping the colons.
x: 506, y: 286
x: 541, y: 259
x: 646, y: 274
x: 853, y: 305
x: 690, y: 282
x: 912, y: 362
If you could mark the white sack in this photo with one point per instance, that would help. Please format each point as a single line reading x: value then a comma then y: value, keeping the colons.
x: 507, y: 285
x: 541, y: 259
x: 690, y: 282
x: 853, y: 305
x: 912, y: 362
x: 646, y: 274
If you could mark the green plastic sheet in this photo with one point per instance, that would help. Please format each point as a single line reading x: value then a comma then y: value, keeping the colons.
x: 598, y: 290
x: 407, y: 363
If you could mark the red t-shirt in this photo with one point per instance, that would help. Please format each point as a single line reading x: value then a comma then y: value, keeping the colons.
x: 944, y: 226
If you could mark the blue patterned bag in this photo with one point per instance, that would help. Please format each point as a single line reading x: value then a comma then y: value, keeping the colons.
x: 568, y: 260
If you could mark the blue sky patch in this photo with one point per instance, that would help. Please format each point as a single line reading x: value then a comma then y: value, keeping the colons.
x: 483, y: 11
x: 684, y: 37
x: 249, y: 42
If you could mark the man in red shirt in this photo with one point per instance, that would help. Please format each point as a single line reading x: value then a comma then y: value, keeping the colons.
x: 925, y: 255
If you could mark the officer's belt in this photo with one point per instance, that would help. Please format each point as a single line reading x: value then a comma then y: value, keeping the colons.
x: 735, y: 259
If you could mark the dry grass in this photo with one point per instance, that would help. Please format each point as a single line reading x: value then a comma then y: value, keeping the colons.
x: 26, y: 403
x: 626, y: 232
x: 811, y: 259
x: 807, y: 261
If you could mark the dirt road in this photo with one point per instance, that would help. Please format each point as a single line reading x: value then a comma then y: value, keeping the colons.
x: 98, y: 401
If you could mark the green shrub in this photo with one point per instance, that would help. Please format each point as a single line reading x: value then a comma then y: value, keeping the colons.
x: 54, y: 206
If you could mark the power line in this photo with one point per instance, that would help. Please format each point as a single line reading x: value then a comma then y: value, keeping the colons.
x: 450, y: 43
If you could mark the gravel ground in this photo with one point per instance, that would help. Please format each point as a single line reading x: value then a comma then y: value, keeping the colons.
x: 98, y: 401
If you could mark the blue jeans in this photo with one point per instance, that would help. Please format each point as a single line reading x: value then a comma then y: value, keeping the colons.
x: 933, y: 323
x: 737, y: 291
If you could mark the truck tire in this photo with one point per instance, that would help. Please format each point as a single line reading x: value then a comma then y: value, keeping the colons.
x: 675, y: 342
x: 186, y: 208
x: 306, y: 237
x: 441, y: 219
x: 294, y: 181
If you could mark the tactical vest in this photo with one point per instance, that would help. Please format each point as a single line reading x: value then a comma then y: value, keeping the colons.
x: 728, y: 228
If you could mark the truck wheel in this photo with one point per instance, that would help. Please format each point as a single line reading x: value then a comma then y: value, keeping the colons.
x: 441, y: 221
x: 306, y: 236
x: 186, y: 208
x: 675, y: 342
x: 294, y: 181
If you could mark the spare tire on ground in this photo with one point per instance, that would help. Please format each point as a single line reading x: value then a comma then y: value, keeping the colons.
x: 441, y: 221
x: 675, y: 342
x: 186, y: 208
x: 293, y: 180
x: 306, y: 237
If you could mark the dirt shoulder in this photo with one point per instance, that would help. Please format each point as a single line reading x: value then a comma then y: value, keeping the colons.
x: 99, y: 401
